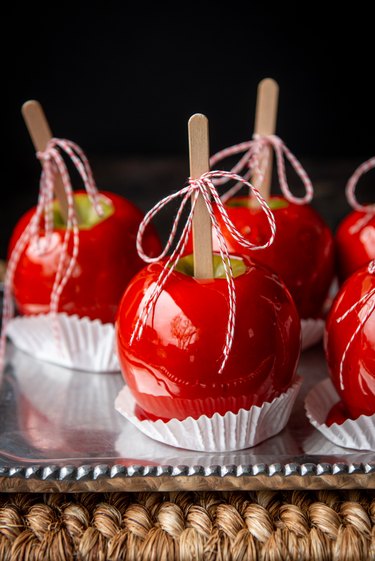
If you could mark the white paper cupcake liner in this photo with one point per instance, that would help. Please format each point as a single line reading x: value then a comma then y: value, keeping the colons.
x: 81, y: 344
x: 358, y: 434
x: 316, y: 444
x: 144, y: 448
x: 219, y: 433
x: 312, y: 332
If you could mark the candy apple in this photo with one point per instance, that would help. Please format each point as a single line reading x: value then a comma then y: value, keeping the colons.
x: 302, y: 253
x: 355, y: 242
x: 106, y: 262
x: 355, y: 383
x: 172, y: 369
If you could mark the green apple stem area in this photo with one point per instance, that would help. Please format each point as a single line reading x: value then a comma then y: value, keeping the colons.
x: 88, y: 215
x: 275, y: 203
x: 185, y: 265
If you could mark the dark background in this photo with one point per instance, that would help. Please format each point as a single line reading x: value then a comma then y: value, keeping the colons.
x: 122, y: 84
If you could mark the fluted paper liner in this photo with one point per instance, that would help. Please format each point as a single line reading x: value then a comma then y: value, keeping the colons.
x: 358, y: 434
x: 219, y: 433
x: 312, y: 332
x: 316, y: 444
x: 81, y: 344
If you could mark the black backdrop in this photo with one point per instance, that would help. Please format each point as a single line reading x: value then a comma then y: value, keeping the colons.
x: 124, y: 82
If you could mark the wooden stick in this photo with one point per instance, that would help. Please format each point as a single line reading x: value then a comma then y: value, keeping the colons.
x: 199, y: 152
x: 40, y: 133
x: 265, y: 124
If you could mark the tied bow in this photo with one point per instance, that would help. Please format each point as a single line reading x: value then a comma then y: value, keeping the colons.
x: 204, y: 185
x: 257, y: 153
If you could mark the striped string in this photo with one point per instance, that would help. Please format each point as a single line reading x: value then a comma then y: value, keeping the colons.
x: 350, y: 190
x: 352, y: 185
x: 257, y: 153
x: 366, y: 304
x: 204, y: 185
x: 52, y: 164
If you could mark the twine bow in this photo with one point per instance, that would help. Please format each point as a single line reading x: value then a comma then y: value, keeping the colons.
x: 52, y: 164
x: 256, y: 159
x: 368, y: 302
x: 204, y: 185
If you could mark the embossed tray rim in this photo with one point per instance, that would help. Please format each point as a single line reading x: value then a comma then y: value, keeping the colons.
x: 109, y: 474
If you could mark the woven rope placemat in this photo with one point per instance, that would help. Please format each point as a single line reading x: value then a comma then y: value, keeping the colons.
x: 264, y: 525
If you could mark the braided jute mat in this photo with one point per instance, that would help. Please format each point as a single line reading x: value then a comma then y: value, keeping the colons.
x: 264, y: 525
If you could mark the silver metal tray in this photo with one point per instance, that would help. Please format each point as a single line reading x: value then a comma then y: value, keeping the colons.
x: 60, y: 432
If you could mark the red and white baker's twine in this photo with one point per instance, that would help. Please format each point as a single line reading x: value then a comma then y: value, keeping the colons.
x: 366, y: 304
x: 52, y: 164
x: 352, y: 184
x: 256, y: 158
x: 204, y: 185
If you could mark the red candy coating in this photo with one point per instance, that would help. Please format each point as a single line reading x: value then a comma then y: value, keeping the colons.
x: 107, y: 260
x: 172, y: 369
x: 337, y: 414
x: 355, y: 242
x: 302, y: 253
x: 356, y: 386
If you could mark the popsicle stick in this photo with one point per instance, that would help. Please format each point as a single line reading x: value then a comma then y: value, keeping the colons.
x: 265, y: 124
x: 40, y: 134
x: 199, y: 152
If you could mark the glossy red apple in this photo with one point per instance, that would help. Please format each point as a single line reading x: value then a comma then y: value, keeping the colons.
x: 356, y: 383
x: 106, y: 262
x: 302, y: 253
x: 355, y: 242
x: 172, y: 369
